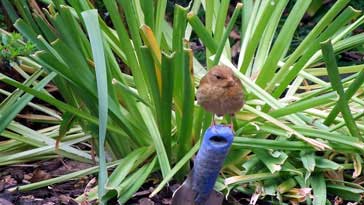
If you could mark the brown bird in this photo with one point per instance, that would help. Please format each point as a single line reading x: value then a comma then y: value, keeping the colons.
x: 220, y: 92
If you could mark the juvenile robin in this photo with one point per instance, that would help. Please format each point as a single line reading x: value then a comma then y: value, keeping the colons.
x: 220, y: 92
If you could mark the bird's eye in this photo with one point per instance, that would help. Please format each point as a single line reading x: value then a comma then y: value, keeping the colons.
x: 218, y: 77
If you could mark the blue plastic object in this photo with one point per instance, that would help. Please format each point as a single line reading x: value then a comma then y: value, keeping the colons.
x: 209, y: 160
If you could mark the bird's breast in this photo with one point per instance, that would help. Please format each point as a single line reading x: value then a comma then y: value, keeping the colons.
x: 220, y: 100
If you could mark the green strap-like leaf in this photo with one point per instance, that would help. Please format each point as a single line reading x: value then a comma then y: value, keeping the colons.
x: 334, y: 76
x: 93, y: 28
x: 319, y: 189
x: 8, y: 114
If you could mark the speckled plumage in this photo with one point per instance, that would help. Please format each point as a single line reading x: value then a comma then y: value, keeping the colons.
x: 220, y: 92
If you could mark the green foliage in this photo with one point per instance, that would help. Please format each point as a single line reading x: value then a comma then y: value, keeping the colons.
x: 291, y: 140
x: 10, y: 47
x: 357, y: 3
x: 2, y: 24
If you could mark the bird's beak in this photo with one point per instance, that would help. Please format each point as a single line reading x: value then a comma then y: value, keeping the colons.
x: 230, y: 82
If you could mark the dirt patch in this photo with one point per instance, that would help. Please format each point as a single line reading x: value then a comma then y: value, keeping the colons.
x: 12, y: 176
x: 64, y: 193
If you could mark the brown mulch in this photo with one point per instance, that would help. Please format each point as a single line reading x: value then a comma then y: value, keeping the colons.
x: 65, y: 192
x: 13, y: 176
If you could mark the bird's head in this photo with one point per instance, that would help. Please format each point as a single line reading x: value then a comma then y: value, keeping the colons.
x: 221, y: 76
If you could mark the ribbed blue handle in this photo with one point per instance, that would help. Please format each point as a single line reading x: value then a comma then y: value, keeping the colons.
x: 209, y: 160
